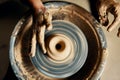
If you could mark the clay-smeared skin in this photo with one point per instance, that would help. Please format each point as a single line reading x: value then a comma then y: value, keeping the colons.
x: 41, y: 34
x: 33, y: 44
x: 106, y: 6
x: 42, y: 22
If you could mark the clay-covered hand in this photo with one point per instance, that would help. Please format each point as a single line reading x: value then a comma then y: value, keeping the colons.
x: 106, y: 6
x: 42, y: 20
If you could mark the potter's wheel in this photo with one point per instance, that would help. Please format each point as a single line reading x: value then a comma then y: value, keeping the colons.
x: 75, y: 46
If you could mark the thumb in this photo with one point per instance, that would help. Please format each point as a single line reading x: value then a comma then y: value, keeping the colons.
x: 103, y: 15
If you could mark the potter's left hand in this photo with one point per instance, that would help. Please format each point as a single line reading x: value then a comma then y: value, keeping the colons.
x: 106, y: 6
x: 42, y: 20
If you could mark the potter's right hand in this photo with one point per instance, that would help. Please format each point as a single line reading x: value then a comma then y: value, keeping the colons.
x: 106, y: 6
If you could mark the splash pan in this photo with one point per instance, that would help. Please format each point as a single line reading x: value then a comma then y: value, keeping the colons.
x: 75, y: 46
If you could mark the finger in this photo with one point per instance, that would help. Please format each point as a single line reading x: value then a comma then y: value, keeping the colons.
x: 33, y: 44
x: 114, y: 24
x: 48, y: 20
x: 41, y: 35
x: 118, y: 34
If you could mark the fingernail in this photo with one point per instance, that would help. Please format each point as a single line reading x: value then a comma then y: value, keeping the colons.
x: 49, y: 27
x: 109, y: 29
x: 44, y: 51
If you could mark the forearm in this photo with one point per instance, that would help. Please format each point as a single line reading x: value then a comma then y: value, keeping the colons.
x: 36, y: 5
